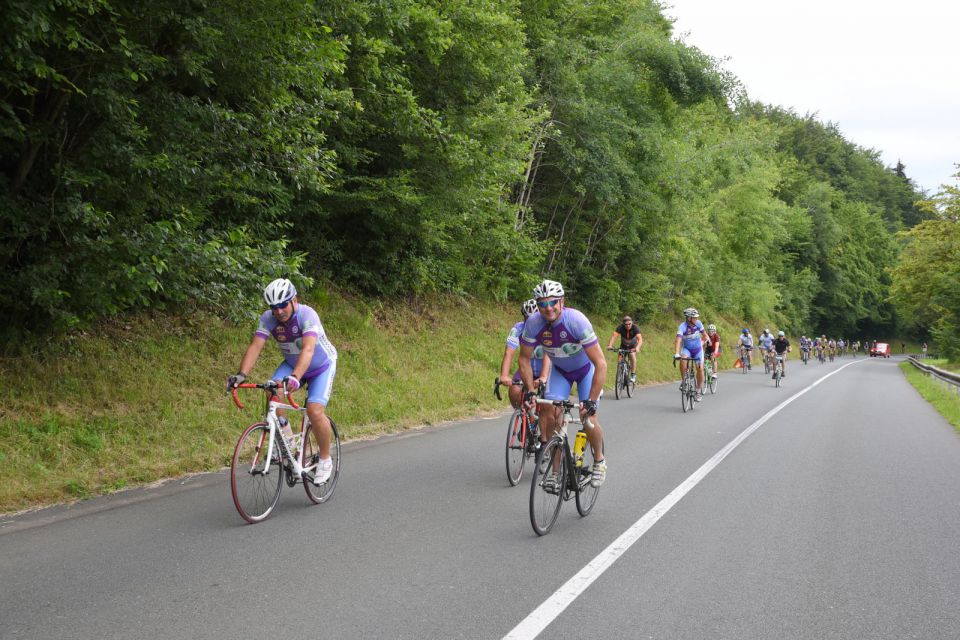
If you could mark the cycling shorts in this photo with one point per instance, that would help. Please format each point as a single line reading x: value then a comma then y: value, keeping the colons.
x: 319, y: 387
x: 559, y: 383
x: 696, y: 354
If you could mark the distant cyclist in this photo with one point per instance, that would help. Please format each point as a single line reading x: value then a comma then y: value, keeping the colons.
x: 766, y: 344
x: 689, y: 344
x: 746, y: 341
x: 712, y: 348
x: 309, y: 358
x: 568, y: 339
x: 781, y: 346
x: 541, y: 365
x: 630, y: 338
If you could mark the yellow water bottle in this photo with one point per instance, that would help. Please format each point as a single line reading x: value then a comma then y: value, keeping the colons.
x: 579, y: 444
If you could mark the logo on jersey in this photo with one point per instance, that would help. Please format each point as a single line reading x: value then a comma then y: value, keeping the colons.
x: 295, y: 329
x: 563, y: 335
x: 548, y: 343
x: 547, y: 334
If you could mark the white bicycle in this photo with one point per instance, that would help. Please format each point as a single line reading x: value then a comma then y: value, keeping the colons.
x: 264, y: 457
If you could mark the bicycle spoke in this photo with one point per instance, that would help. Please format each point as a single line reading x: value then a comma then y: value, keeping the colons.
x: 516, y: 445
x: 311, y: 456
x: 255, y: 474
x: 545, y: 501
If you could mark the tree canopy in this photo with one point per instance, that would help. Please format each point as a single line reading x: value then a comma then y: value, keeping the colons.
x: 170, y: 154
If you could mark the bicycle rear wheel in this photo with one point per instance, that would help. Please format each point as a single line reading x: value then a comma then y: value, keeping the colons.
x: 516, y: 445
x: 255, y: 474
x: 630, y: 386
x: 586, y: 493
x: 545, y: 503
x: 713, y: 383
x: 311, y: 456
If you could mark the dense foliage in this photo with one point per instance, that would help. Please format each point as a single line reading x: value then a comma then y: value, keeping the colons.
x: 166, y: 154
x: 926, y: 282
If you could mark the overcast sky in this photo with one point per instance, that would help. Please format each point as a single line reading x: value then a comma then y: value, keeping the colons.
x: 887, y: 73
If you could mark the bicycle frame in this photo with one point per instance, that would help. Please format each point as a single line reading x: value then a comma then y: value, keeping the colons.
x: 273, y: 421
x: 575, y: 479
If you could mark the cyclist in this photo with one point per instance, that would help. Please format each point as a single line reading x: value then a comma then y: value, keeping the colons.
x: 745, y: 341
x: 692, y: 336
x: 781, y: 346
x: 805, y: 345
x: 308, y: 358
x: 840, y: 345
x: 766, y: 345
x: 712, y: 348
x: 541, y: 365
x: 630, y: 338
x: 567, y: 337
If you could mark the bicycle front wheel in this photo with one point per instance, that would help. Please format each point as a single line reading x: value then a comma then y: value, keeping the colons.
x: 311, y: 456
x: 516, y: 444
x: 683, y: 395
x: 619, y: 383
x: 255, y: 474
x: 586, y: 492
x: 546, y: 486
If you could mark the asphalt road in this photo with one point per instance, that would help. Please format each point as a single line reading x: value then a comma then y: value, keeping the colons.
x: 837, y: 516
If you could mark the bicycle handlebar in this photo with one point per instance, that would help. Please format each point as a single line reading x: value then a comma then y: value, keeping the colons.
x: 567, y: 406
x: 270, y: 386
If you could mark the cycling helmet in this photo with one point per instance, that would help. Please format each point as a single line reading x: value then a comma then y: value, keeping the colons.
x: 744, y: 331
x: 711, y: 328
x: 780, y: 333
x: 279, y: 291
x: 690, y: 312
x: 548, y: 289
x: 766, y: 330
x: 528, y: 308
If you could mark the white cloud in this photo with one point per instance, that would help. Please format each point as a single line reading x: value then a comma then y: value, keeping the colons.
x: 885, y: 72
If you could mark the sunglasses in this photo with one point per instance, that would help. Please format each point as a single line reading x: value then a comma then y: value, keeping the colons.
x: 546, y: 304
x: 278, y: 307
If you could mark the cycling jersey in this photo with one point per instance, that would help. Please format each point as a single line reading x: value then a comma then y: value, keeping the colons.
x: 513, y: 341
x: 289, y: 336
x: 746, y: 340
x: 780, y: 345
x: 564, y: 341
x: 629, y: 338
x: 766, y: 340
x: 691, y: 340
x: 714, y: 345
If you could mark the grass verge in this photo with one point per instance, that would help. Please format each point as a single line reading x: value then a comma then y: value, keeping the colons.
x: 944, y: 399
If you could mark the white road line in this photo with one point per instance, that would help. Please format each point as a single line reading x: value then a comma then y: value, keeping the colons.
x: 531, y: 626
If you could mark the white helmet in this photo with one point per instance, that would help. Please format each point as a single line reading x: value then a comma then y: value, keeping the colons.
x: 711, y: 328
x: 278, y: 292
x: 690, y: 312
x: 548, y: 289
x: 528, y: 308
x: 780, y: 333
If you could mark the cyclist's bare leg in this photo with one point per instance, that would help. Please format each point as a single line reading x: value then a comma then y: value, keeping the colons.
x: 633, y: 362
x: 320, y: 424
x: 516, y: 395
x: 699, y: 372
x: 595, y: 438
x: 683, y: 370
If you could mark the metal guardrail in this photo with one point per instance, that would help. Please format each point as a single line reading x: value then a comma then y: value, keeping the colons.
x: 949, y: 378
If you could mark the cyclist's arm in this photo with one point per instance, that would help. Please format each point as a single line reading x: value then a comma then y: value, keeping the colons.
x: 612, y: 339
x: 547, y: 366
x: 676, y: 345
x: 526, y: 369
x: 305, y: 357
x: 253, y: 352
x: 595, y: 353
x: 639, y: 341
x: 505, y: 364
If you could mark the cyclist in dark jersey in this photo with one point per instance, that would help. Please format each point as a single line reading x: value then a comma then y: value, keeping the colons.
x: 630, y: 338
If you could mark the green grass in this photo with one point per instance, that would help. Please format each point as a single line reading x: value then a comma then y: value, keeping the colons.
x: 944, y: 399
x: 142, y: 399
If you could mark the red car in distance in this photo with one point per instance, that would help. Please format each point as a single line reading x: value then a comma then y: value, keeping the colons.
x: 880, y: 350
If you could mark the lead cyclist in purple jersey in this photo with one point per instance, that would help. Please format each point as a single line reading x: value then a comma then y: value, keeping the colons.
x: 568, y: 339
x: 308, y: 356
x: 689, y: 344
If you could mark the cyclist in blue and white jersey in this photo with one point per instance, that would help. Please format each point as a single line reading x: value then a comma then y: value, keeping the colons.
x: 541, y: 365
x: 766, y: 345
x: 568, y: 339
x: 308, y: 358
x: 746, y: 340
x: 806, y: 344
x: 689, y: 344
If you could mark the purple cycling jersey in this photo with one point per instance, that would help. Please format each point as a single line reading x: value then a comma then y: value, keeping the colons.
x: 513, y: 341
x: 564, y: 341
x: 690, y: 335
x: 289, y: 337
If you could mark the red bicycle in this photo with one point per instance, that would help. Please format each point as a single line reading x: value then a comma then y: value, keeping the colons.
x: 264, y: 457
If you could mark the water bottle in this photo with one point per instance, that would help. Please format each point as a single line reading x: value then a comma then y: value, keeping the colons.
x: 285, y: 428
x: 579, y: 444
